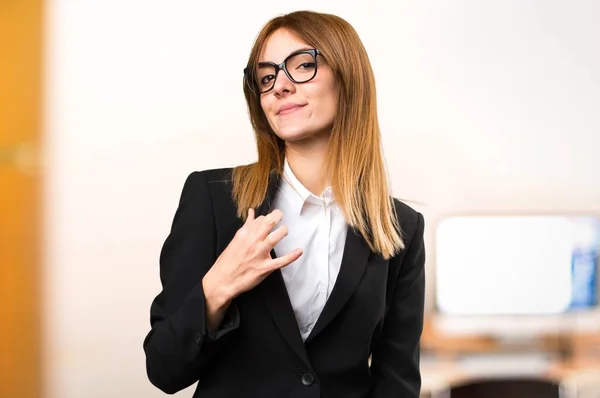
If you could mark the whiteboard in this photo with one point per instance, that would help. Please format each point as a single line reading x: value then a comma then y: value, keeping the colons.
x: 508, y: 265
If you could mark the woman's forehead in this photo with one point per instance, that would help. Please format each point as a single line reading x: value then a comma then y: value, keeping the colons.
x: 279, y: 45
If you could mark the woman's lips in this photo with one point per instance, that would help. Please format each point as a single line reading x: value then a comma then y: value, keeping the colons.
x: 286, y: 110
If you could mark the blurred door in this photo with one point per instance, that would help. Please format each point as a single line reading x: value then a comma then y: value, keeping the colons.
x: 20, y: 108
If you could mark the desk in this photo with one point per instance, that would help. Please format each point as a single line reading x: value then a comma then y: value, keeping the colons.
x: 439, y: 376
x: 569, y: 358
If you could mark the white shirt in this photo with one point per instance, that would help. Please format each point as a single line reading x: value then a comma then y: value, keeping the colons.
x: 315, y: 224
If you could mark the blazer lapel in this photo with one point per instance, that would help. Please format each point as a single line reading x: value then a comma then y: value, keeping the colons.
x: 354, y: 261
x: 274, y: 293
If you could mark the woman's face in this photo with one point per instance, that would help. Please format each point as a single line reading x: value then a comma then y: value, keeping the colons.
x: 297, y: 111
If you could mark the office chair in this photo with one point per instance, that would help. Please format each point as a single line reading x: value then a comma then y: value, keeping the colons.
x: 505, y: 388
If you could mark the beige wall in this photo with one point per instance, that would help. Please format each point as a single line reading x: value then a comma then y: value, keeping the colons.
x: 484, y: 108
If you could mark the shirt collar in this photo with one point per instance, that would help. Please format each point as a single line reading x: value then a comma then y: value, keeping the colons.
x: 300, y: 193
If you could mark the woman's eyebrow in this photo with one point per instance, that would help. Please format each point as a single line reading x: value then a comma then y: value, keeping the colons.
x: 295, y: 51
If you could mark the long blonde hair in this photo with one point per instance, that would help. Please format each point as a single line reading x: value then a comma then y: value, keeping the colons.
x: 355, y: 161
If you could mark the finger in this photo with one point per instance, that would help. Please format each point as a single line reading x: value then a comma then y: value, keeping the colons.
x: 276, y: 214
x: 283, y: 261
x: 268, y: 223
x: 273, y: 238
x: 250, y: 217
x: 274, y: 217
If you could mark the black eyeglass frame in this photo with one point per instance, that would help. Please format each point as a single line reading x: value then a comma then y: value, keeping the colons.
x: 251, y: 80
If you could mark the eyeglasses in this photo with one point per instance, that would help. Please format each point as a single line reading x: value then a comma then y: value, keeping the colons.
x: 300, y: 67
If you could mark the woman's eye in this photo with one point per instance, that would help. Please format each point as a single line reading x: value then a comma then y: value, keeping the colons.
x: 266, y: 79
x: 306, y: 65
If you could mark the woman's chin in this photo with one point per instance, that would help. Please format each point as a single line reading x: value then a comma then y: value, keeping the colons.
x: 298, y: 136
x: 293, y: 135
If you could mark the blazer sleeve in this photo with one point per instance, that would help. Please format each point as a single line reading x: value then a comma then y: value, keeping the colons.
x: 395, y: 360
x: 179, y: 346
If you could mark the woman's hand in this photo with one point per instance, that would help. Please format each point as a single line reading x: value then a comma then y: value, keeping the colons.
x: 244, y: 263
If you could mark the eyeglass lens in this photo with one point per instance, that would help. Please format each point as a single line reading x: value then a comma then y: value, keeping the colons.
x: 301, y: 68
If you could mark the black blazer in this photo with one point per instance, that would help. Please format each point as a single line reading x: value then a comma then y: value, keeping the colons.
x: 376, y: 307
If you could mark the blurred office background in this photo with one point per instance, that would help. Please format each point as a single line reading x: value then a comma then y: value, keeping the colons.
x: 490, y: 115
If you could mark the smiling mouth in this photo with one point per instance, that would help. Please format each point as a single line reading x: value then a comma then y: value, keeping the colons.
x: 290, y: 110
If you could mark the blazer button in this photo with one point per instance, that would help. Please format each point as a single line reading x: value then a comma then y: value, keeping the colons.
x: 308, y: 379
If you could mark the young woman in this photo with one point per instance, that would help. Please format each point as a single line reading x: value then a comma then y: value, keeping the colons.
x: 298, y: 275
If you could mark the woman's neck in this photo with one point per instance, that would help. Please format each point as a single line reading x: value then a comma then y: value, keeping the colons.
x: 307, y: 161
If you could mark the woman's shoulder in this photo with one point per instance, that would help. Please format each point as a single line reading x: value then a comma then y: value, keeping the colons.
x: 212, y: 175
x: 221, y: 175
x: 408, y: 218
x: 200, y: 182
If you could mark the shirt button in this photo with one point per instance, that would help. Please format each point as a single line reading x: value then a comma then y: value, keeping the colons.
x: 308, y: 379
